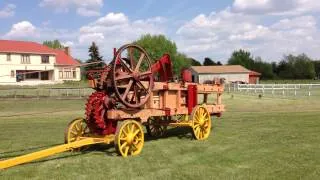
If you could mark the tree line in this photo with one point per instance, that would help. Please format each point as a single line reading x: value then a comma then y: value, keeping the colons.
x: 290, y: 66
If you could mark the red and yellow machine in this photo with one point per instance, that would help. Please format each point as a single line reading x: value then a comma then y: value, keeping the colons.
x: 131, y: 92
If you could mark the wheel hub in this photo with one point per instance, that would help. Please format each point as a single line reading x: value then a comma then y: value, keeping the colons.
x: 130, y: 138
x: 135, y: 76
x: 201, y: 121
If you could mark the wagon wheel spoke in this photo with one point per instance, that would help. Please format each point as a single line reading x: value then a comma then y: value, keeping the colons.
x: 123, y: 77
x: 125, y: 66
x: 127, y: 89
x: 77, y: 127
x: 145, y: 75
x: 132, y: 128
x: 139, y: 62
x: 132, y: 64
x: 123, y: 145
x: 126, y: 151
x: 73, y: 132
x: 133, y: 95
x: 136, y: 132
x: 137, y: 94
x: 141, y: 86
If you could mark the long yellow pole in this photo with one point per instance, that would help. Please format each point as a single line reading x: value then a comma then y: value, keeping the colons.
x: 54, y: 150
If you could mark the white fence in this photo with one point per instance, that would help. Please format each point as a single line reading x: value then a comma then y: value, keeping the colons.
x: 286, y: 90
x: 45, y: 92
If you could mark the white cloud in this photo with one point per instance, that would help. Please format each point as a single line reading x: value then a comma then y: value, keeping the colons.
x: 68, y: 44
x: 276, y: 7
x: 90, y: 37
x: 7, y: 11
x: 116, y: 29
x: 112, y: 30
x: 218, y: 34
x: 25, y: 30
x: 112, y: 19
x: 21, y: 29
x: 297, y: 22
x: 87, y: 12
x: 83, y: 7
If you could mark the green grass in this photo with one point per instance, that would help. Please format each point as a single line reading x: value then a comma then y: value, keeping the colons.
x: 255, y: 139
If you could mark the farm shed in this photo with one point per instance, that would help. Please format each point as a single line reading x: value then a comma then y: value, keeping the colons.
x: 231, y: 73
x: 254, y: 77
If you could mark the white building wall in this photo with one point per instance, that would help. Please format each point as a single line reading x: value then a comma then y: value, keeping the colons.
x: 15, y: 64
x: 244, y: 77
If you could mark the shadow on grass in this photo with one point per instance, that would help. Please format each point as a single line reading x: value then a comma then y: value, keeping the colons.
x: 24, y: 150
x: 180, y: 132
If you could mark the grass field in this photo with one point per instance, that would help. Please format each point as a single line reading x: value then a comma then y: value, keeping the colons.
x: 255, y: 139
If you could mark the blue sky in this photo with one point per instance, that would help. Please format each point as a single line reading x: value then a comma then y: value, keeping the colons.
x: 203, y: 28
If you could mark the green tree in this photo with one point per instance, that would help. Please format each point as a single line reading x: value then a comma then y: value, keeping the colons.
x: 55, y: 44
x: 296, y: 67
x: 194, y: 62
x: 241, y: 57
x: 180, y: 62
x: 94, y: 58
x: 264, y: 68
x: 244, y: 58
x: 208, y: 62
x: 219, y: 63
x: 157, y: 45
x: 317, y: 68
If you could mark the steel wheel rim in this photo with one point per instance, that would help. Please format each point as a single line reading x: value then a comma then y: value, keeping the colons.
x: 201, y: 123
x: 130, y: 138
x: 75, y: 130
x: 154, y: 128
x: 134, y: 84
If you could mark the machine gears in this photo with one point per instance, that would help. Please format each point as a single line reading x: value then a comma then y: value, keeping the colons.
x: 96, y: 109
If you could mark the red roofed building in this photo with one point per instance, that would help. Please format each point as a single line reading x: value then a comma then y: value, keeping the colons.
x: 33, y: 63
x: 231, y: 74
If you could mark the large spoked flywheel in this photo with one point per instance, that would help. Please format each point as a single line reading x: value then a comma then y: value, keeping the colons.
x: 132, y: 75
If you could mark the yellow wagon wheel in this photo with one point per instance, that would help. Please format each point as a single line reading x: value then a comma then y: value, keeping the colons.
x: 201, y: 123
x: 154, y: 127
x: 129, y: 138
x: 76, y: 129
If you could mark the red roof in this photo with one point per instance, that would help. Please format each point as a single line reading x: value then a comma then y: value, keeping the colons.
x: 10, y: 46
x: 253, y: 73
x: 63, y: 59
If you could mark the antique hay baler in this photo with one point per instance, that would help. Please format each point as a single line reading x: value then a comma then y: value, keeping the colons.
x: 131, y: 92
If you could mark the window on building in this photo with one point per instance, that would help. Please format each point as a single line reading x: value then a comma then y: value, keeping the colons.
x: 60, y: 74
x: 45, y: 75
x: 8, y: 57
x: 12, y: 73
x: 30, y: 75
x: 67, y: 73
x: 25, y: 59
x: 45, y: 59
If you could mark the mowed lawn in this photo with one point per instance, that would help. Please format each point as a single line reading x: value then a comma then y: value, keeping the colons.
x: 256, y: 138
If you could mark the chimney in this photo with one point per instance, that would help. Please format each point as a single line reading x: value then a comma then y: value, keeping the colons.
x: 67, y: 50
